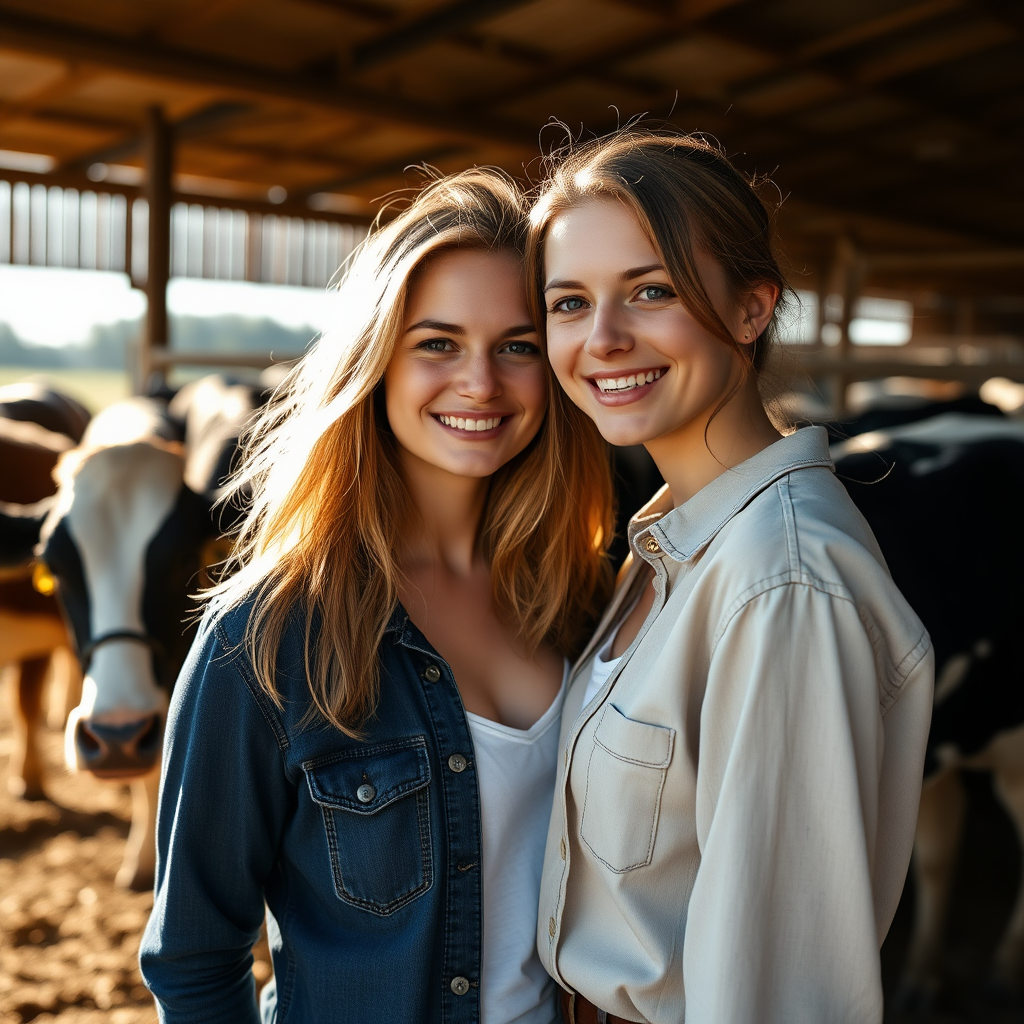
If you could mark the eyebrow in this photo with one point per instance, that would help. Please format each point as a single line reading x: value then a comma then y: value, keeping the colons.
x: 439, y: 325
x: 435, y: 325
x: 628, y: 275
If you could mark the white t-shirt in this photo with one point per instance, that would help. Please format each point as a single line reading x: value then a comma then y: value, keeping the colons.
x: 516, y: 773
x: 601, y: 668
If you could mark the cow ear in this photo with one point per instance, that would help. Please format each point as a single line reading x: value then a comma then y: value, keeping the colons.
x: 19, y: 531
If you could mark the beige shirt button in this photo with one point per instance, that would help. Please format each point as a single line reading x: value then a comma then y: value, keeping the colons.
x: 457, y: 763
x: 651, y: 545
x: 561, y: 847
x: 551, y: 927
x: 460, y: 985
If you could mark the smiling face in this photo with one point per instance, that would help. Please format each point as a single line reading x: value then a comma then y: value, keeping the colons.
x: 466, y: 389
x: 622, y: 344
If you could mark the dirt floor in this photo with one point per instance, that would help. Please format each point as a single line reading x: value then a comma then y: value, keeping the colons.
x: 69, y: 938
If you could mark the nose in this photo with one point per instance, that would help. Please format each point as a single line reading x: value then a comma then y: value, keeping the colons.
x: 609, y: 332
x: 479, y: 380
x: 119, y: 751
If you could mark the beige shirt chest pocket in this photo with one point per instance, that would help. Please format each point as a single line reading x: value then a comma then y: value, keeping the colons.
x: 625, y: 777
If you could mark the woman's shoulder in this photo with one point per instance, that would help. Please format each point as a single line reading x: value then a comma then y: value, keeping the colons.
x: 805, y: 528
x: 227, y: 637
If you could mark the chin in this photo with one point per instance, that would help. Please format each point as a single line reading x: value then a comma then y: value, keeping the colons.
x: 622, y: 435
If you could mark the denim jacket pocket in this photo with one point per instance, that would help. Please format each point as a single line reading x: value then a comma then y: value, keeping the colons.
x: 625, y: 777
x: 376, y: 807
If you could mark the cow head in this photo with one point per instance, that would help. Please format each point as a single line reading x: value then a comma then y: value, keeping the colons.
x: 123, y: 544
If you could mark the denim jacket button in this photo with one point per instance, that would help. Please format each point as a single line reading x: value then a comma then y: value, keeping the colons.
x: 431, y: 673
x: 365, y: 793
x: 457, y: 763
x: 460, y: 985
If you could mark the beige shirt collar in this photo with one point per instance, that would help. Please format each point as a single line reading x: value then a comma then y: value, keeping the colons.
x: 683, y: 531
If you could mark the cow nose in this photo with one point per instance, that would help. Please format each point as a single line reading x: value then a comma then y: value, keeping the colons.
x: 119, y: 750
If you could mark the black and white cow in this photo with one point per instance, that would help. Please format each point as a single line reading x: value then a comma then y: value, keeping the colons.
x: 124, y: 543
x: 944, y: 496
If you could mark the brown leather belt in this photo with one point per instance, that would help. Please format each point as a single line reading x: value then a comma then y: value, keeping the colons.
x: 577, y: 1010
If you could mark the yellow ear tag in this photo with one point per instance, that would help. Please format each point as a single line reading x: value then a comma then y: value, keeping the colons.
x: 42, y: 578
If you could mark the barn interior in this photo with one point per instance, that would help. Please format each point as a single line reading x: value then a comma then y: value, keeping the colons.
x: 256, y: 140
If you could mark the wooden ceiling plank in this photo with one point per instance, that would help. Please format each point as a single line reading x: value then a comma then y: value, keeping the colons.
x: 74, y: 75
x: 439, y: 23
x: 156, y: 60
x: 377, y: 13
x: 866, y: 31
x: 212, y: 117
x: 385, y: 169
x: 789, y: 63
x: 599, y: 62
x: 196, y: 17
x: 957, y: 43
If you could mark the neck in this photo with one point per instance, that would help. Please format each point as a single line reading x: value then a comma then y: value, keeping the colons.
x: 692, y: 456
x: 445, y: 530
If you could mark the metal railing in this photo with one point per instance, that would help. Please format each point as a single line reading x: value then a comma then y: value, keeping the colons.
x: 55, y: 226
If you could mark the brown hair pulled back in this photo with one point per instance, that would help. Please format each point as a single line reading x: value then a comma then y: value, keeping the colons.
x: 686, y: 196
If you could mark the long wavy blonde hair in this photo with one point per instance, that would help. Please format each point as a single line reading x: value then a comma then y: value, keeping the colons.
x: 326, y: 505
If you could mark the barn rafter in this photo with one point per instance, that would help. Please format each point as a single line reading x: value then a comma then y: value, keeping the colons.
x: 893, y: 130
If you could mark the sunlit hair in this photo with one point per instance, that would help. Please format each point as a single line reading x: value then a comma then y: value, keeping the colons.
x: 687, y: 197
x: 328, y: 505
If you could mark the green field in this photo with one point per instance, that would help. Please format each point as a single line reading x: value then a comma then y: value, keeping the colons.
x: 95, y: 389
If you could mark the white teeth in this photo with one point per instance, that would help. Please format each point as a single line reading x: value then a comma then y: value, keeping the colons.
x: 470, y: 425
x: 634, y: 380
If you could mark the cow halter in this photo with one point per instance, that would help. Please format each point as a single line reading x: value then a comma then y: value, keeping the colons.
x: 118, y: 634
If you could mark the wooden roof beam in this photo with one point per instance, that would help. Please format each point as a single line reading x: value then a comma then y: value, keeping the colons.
x: 291, y: 207
x: 599, y: 62
x: 874, y: 28
x: 378, y: 171
x: 73, y: 76
x: 148, y: 59
x: 817, y: 57
x: 209, y: 118
x: 447, y: 20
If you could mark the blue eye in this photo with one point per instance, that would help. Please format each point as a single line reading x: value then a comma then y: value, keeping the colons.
x: 570, y: 304
x: 654, y: 293
x: 522, y: 348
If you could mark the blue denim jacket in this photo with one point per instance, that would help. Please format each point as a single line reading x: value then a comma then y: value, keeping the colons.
x: 366, y: 852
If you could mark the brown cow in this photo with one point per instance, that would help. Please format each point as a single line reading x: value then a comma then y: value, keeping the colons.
x: 31, y: 627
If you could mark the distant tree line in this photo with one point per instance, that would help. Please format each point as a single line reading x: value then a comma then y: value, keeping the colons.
x: 107, y: 345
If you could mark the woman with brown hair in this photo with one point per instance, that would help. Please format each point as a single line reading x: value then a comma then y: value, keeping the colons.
x: 744, y: 735
x: 365, y: 733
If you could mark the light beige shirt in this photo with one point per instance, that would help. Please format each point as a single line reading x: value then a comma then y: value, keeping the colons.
x: 735, y: 808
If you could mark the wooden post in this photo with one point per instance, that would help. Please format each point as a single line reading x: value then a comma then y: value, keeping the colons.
x: 845, y: 278
x: 158, y: 161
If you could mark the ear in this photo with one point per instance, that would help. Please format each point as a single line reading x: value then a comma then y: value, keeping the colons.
x: 19, y: 531
x: 757, y: 305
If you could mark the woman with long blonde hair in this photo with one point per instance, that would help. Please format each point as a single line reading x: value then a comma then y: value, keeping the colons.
x: 365, y: 733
